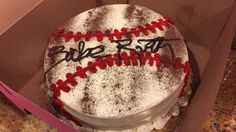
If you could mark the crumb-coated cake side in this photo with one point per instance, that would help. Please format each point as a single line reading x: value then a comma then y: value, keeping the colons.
x: 108, y: 64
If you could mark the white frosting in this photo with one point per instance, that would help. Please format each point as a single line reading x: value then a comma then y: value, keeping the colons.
x: 151, y: 85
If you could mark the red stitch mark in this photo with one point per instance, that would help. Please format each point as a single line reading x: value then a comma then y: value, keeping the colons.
x: 81, y: 72
x: 126, y: 58
x: 101, y: 63
x: 59, y: 103
x: 162, y: 22
x: 158, y: 61
x: 88, y: 36
x: 99, y: 36
x: 77, y: 36
x: 187, y: 70
x: 68, y: 36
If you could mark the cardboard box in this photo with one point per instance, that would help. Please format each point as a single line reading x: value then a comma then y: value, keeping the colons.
x: 207, y: 25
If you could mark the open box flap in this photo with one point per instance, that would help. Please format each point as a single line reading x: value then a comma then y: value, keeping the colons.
x: 207, y: 91
x: 25, y: 105
x: 21, y: 67
x: 23, y: 45
x: 15, y: 11
x: 194, y: 16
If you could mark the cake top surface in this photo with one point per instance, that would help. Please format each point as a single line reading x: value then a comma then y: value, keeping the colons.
x: 115, y: 60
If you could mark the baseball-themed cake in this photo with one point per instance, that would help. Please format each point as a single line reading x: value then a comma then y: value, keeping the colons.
x: 118, y: 68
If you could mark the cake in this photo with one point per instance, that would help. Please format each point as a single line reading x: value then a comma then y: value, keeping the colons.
x: 117, y: 67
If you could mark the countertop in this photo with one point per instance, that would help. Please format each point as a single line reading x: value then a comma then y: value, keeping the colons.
x: 222, y: 117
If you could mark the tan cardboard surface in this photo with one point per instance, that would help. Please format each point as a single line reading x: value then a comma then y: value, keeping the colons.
x: 23, y: 47
x: 13, y: 10
x: 207, y: 91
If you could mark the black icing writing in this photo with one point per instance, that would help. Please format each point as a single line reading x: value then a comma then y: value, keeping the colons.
x: 149, y: 44
x: 76, y: 55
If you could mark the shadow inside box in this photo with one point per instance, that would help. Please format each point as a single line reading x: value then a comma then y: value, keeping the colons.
x: 196, y: 80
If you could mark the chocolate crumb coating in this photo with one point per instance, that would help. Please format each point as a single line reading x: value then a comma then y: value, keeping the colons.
x: 87, y: 101
x: 139, y: 14
x: 95, y: 19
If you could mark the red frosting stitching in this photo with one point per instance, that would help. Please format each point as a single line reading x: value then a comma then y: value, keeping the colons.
x: 187, y: 70
x: 117, y: 60
x: 162, y: 22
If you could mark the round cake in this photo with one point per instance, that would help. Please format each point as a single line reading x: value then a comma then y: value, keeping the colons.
x: 116, y: 67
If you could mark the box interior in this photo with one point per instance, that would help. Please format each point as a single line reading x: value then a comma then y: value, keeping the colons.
x: 23, y: 45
